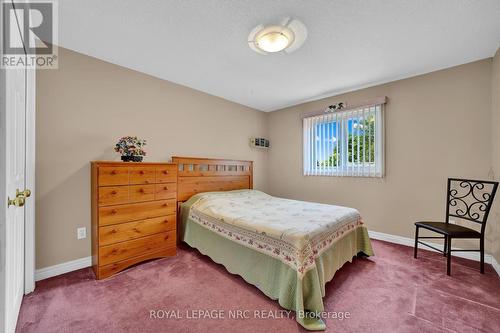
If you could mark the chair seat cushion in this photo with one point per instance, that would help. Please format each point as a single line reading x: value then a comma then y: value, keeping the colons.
x: 453, y: 230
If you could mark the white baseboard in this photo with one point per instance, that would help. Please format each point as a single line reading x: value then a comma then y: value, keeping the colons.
x: 65, y: 267
x: 411, y: 242
x: 488, y: 258
x: 73, y: 265
x: 495, y: 265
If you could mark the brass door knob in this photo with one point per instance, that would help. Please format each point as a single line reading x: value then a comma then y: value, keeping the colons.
x: 18, y: 202
x: 20, y: 199
x: 26, y: 193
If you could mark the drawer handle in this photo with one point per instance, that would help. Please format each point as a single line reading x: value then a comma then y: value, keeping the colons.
x: 114, y: 231
x: 165, y: 205
x: 166, y: 237
x: 165, y: 172
x: 113, y: 172
x: 114, y: 211
x: 141, y: 172
x: 113, y: 192
x: 137, y: 230
x: 165, y: 221
x: 141, y: 190
x: 165, y: 188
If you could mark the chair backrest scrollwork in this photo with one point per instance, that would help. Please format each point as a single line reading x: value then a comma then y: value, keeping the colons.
x: 470, y: 199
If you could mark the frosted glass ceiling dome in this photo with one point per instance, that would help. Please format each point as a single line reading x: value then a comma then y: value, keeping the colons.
x: 283, y: 38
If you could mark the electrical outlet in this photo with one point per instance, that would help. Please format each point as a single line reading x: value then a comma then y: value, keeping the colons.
x: 81, y: 233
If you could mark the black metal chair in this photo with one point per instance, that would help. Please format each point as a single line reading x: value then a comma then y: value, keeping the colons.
x: 466, y: 199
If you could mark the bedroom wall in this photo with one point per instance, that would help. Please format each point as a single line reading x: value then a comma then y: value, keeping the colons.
x: 86, y: 105
x: 83, y: 107
x: 495, y: 145
x: 437, y: 126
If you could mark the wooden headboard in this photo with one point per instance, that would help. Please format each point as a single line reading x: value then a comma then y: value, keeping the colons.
x: 197, y: 175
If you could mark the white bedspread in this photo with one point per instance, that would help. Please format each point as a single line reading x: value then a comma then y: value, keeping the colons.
x: 295, y: 232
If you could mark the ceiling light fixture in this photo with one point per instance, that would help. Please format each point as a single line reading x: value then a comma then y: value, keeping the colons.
x: 284, y: 38
x: 274, y: 39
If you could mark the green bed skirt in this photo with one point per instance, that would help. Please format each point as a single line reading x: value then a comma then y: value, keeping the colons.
x: 275, y: 279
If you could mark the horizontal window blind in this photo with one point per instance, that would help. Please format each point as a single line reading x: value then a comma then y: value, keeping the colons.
x: 345, y: 143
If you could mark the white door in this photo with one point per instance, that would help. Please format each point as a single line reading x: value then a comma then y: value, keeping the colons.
x: 15, y: 181
x: 13, y: 165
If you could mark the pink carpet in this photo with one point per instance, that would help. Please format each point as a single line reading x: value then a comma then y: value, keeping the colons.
x: 391, y: 292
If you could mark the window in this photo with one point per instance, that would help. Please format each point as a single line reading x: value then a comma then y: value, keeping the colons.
x: 345, y: 143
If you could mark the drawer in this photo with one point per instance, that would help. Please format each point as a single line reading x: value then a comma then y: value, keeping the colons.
x: 166, y: 191
x: 108, y: 270
x: 113, y: 176
x: 138, y: 193
x: 113, y: 195
x: 166, y: 173
x: 112, y: 253
x: 136, y: 211
x: 126, y: 231
x: 142, y: 175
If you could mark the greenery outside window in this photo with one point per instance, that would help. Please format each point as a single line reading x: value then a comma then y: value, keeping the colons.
x: 345, y: 142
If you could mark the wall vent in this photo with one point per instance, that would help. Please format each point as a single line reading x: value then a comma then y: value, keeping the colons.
x: 259, y: 143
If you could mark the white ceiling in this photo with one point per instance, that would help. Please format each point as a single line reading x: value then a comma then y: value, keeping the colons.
x: 202, y: 44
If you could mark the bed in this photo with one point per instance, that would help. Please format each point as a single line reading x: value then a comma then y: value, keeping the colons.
x: 288, y: 249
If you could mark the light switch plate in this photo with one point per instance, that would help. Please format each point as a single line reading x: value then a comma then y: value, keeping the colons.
x: 81, y: 233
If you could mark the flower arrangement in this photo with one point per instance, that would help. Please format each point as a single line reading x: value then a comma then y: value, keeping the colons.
x: 131, y: 148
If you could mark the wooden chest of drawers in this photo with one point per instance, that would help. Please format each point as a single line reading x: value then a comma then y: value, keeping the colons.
x: 133, y: 214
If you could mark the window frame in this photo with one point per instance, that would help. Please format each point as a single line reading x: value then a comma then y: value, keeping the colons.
x: 342, y: 118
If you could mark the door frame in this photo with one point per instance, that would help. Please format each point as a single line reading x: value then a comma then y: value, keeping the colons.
x: 29, y: 172
x: 29, y: 213
x: 3, y: 184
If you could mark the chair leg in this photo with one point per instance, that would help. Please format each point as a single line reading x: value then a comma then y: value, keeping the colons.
x: 481, y: 249
x: 448, y: 253
x: 445, y: 246
x: 416, y: 243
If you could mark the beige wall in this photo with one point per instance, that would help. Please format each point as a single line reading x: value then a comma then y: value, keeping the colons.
x: 437, y: 126
x: 495, y: 140
x: 86, y: 105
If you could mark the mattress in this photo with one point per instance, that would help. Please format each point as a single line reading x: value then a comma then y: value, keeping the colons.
x: 289, y: 249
